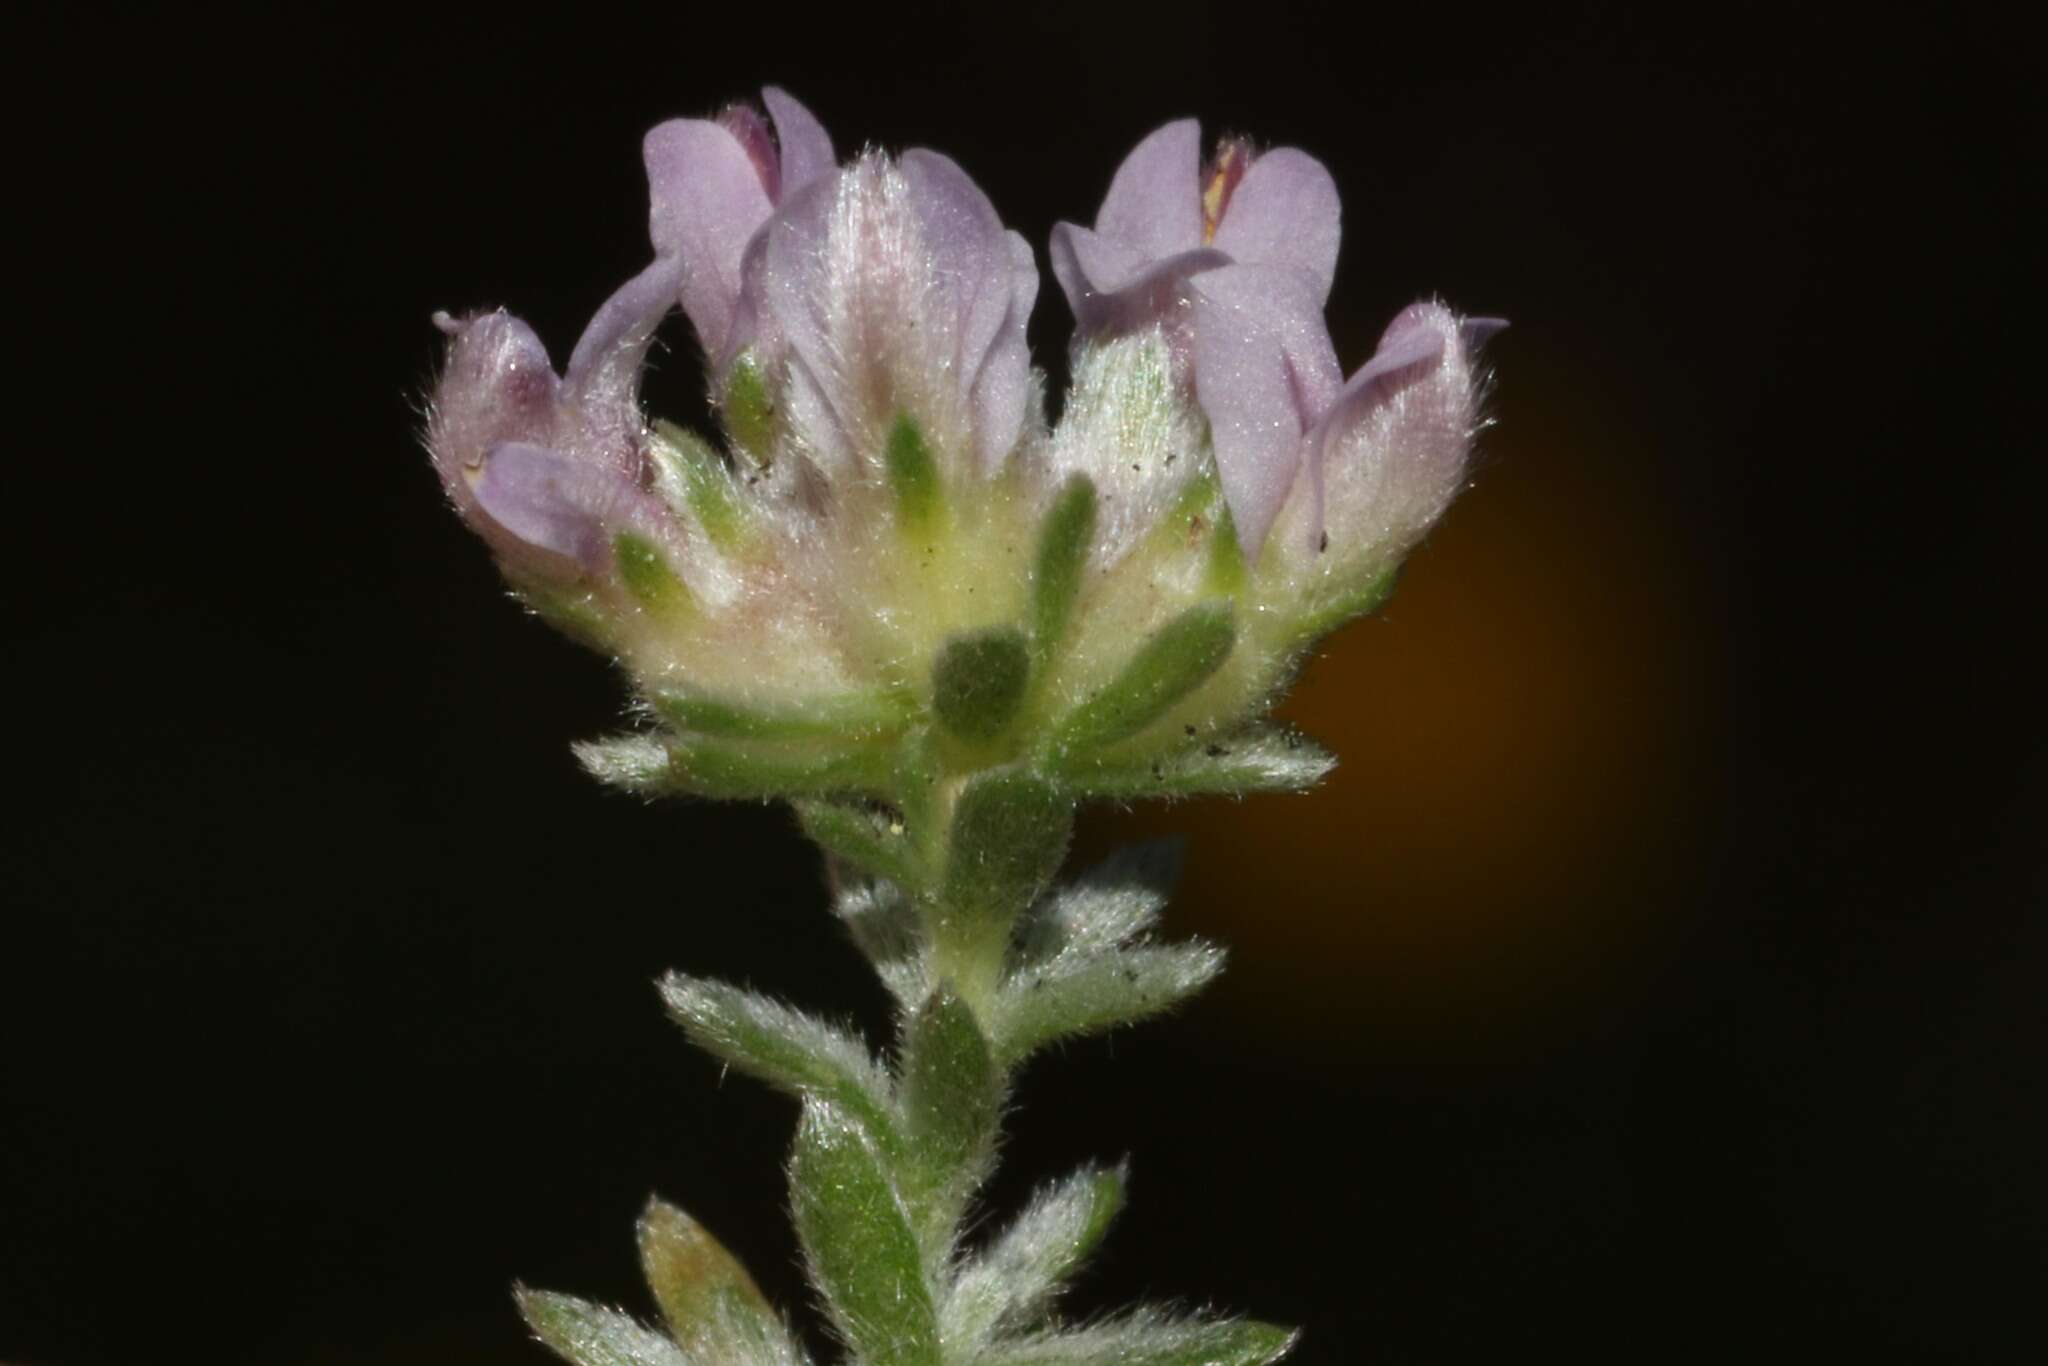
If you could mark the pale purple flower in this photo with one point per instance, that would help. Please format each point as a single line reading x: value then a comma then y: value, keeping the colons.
x: 712, y: 185
x: 894, y: 290
x: 548, y: 469
x: 1236, y: 260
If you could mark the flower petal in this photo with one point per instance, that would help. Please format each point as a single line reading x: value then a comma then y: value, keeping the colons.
x: 1003, y: 386
x: 1154, y: 204
x: 496, y: 385
x: 1264, y: 371
x: 707, y: 201
x: 542, y: 499
x: 806, y: 147
x: 1111, y: 288
x: 1285, y: 213
x: 602, y: 382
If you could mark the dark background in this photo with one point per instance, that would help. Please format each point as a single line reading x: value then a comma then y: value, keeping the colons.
x: 1660, y: 978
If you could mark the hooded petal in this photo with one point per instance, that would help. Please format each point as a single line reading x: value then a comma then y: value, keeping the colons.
x: 1154, y: 204
x: 497, y: 384
x: 1285, y: 213
x: 806, y: 147
x: 1390, y: 455
x: 1002, y: 388
x: 708, y: 200
x: 1264, y: 371
x: 1113, y: 288
x: 544, y: 500
x: 602, y: 383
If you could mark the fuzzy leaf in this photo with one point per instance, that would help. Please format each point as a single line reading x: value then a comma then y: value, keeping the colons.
x: 1062, y: 554
x: 739, y: 768
x: 714, y: 1310
x: 746, y: 410
x: 1263, y: 759
x: 1361, y: 601
x: 786, y: 1048
x: 1009, y: 1286
x: 1111, y: 904
x: 885, y: 926
x: 913, y: 475
x: 691, y: 475
x: 951, y: 1095
x: 853, y: 716
x: 1172, y: 663
x: 1010, y: 831
x: 591, y: 1335
x: 1099, y: 992
x: 862, y: 1250
x: 637, y: 763
x: 645, y: 572
x: 1151, y: 1338
x: 871, y: 839
x: 978, y: 682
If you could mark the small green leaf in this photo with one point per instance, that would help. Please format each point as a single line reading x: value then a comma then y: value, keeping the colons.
x: 738, y: 768
x: 862, y: 1250
x: 978, y: 682
x: 949, y: 1098
x: 1109, y: 905
x: 1227, y: 570
x: 1063, y: 546
x: 1098, y: 992
x: 746, y: 411
x: 884, y: 923
x: 913, y: 474
x: 784, y: 1047
x: 645, y: 573
x: 1263, y: 759
x: 869, y: 837
x: 590, y: 1335
x: 637, y: 763
x: 1362, y: 601
x: 1010, y: 1286
x: 1010, y: 830
x: 714, y: 1310
x: 695, y: 476
x: 1150, y: 1338
x: 843, y: 716
x: 1175, y: 661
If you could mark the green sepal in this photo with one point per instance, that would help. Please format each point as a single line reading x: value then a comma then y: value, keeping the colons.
x: 1361, y: 601
x: 949, y: 1099
x: 1172, y: 663
x: 689, y: 471
x: 1262, y: 759
x: 739, y: 768
x: 1009, y: 833
x: 644, y: 571
x: 869, y: 837
x: 1226, y: 570
x: 1150, y: 1338
x: 863, y: 1252
x: 913, y: 474
x: 1063, y: 545
x: 746, y: 410
x: 1010, y: 1285
x: 1097, y: 992
x: 978, y: 682
x: 842, y: 717
x: 713, y: 1309
x: 591, y: 1335
x: 791, y: 1051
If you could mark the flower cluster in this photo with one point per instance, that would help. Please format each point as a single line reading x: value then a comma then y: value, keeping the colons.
x: 889, y: 539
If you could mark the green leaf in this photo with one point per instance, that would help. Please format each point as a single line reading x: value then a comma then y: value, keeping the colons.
x: 746, y: 411
x: 913, y: 474
x: 1010, y: 1286
x: 886, y: 927
x: 739, y: 768
x: 637, y: 763
x: 1150, y: 1338
x: 691, y: 474
x: 1263, y: 759
x: 1009, y: 833
x: 842, y: 717
x: 1112, y: 903
x: 871, y: 838
x: 1363, y: 600
x: 714, y: 1310
x: 1175, y: 661
x: 1226, y: 570
x: 1098, y: 992
x: 978, y: 682
x: 645, y: 573
x: 784, y: 1047
x: 950, y: 1097
x: 1063, y: 545
x: 862, y: 1251
x: 591, y: 1335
